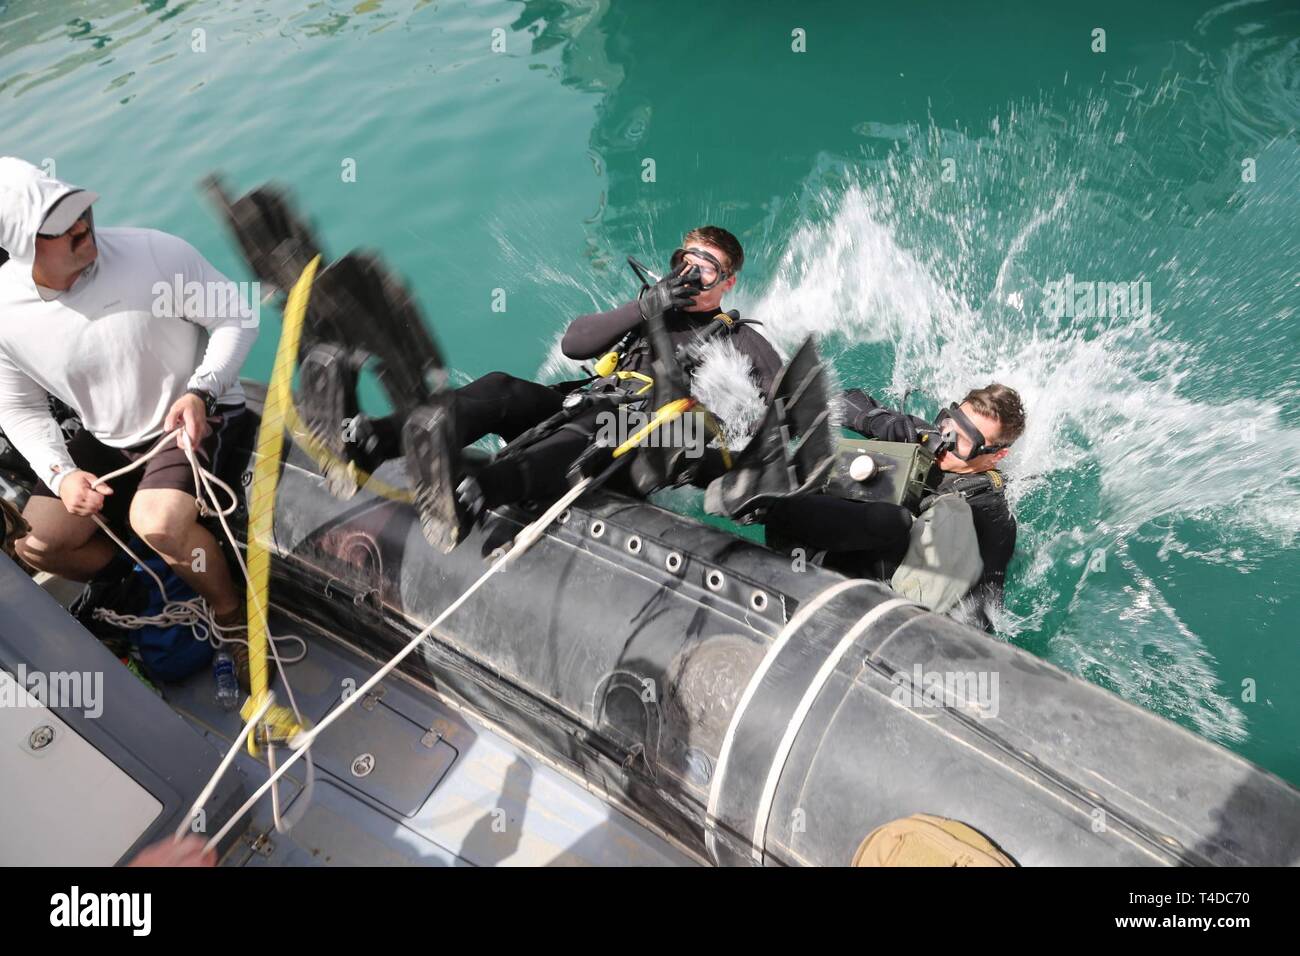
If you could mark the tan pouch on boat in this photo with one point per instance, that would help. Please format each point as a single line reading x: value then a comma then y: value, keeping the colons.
x: 924, y: 840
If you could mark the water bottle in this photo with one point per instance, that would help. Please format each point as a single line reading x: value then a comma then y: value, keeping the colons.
x: 223, y: 669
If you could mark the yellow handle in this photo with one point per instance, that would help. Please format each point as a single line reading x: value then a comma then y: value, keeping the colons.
x: 608, y: 362
x: 674, y: 409
x: 640, y: 377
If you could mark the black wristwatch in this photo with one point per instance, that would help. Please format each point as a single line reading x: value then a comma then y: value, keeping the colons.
x: 209, y: 400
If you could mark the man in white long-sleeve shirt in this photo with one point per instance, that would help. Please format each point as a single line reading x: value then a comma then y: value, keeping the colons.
x: 89, y: 316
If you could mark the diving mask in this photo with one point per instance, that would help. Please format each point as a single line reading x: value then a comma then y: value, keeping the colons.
x: 951, y: 420
x: 710, y: 269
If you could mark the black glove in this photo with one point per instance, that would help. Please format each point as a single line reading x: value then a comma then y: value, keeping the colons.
x: 857, y: 404
x: 670, y: 292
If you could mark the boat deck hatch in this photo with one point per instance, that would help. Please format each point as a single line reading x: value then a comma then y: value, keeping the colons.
x: 384, y: 755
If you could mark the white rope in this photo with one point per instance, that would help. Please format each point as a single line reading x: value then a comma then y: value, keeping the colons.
x: 302, y: 743
x: 309, y: 785
x: 196, y: 613
x: 222, y: 768
x: 192, y: 612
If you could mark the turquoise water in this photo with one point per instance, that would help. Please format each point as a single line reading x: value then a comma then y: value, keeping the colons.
x: 906, y: 188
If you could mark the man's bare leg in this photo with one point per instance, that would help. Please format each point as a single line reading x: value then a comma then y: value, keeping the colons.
x: 167, y: 520
x: 63, y: 543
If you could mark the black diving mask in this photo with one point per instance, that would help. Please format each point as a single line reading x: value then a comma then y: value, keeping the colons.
x: 710, y: 269
x: 951, y: 420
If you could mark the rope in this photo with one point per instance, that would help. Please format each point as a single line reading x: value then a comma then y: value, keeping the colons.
x: 196, y: 613
x: 222, y: 768
x: 193, y: 611
x: 278, y: 412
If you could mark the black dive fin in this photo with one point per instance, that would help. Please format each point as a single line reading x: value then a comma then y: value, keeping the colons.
x: 359, y: 304
x: 359, y: 315
x: 356, y: 302
x: 326, y: 399
x: 276, y: 243
x: 793, y: 450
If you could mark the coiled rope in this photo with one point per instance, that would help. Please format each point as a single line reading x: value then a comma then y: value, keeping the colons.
x: 192, y: 612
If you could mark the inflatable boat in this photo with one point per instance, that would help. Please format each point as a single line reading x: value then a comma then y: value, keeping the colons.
x: 742, y: 708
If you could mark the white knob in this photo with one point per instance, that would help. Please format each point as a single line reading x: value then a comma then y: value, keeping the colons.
x: 862, y: 468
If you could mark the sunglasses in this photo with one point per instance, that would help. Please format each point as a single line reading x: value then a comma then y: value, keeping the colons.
x: 948, y: 441
x: 87, y: 217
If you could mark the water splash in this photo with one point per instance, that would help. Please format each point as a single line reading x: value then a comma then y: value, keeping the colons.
x: 724, y: 384
x: 1130, y: 433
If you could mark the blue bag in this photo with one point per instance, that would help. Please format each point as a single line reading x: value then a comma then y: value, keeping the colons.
x: 168, y: 653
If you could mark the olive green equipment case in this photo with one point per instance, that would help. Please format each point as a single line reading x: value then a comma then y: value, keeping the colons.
x: 904, y: 472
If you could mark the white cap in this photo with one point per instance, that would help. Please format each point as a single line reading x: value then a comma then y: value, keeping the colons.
x: 66, y: 210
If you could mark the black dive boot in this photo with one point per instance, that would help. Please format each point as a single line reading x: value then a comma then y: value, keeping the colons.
x: 433, y: 464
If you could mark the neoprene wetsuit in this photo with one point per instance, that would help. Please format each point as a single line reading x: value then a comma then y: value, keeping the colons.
x: 590, y: 336
x: 504, y: 405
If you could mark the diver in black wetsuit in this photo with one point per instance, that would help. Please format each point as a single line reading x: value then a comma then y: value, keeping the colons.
x: 869, y: 539
x: 689, y: 298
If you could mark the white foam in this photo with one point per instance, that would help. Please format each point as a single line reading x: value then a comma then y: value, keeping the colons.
x: 724, y: 384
